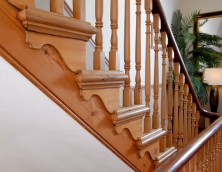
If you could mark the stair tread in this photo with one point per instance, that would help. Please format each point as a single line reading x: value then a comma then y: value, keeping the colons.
x: 150, y: 137
x: 163, y: 156
x: 126, y: 109
x: 129, y: 113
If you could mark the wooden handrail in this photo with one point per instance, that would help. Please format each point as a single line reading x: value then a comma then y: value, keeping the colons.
x: 176, y: 162
x: 157, y: 8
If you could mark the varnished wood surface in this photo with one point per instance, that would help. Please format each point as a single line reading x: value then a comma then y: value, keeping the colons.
x: 57, y: 6
x: 99, y: 54
x: 147, y: 120
x: 155, y: 117
x: 137, y: 89
x: 46, y: 69
x: 72, y: 51
x: 190, y: 154
x: 20, y: 4
x: 55, y: 24
x: 127, y: 93
x: 157, y: 7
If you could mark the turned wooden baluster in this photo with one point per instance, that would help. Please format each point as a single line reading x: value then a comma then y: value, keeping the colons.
x: 219, y: 150
x: 170, y: 98
x: 127, y: 94
x: 57, y: 6
x: 204, y: 152
x: 79, y: 10
x: 192, y: 163
x: 220, y: 147
x: 114, y: 63
x: 147, y: 120
x: 212, y: 154
x: 207, y: 161
x: 137, y: 90
x: 155, y: 118
x: 190, y: 101
x: 163, y: 95
x: 99, y: 55
x: 176, y: 91
x: 204, y: 163
x: 186, y: 90
x: 180, y: 118
x: 216, y: 151
x: 200, y: 159
x: 193, y: 120
x: 197, y: 157
x: 197, y: 123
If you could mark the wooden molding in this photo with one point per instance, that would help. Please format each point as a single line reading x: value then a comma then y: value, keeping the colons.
x: 163, y: 156
x: 72, y: 51
x: 130, y: 118
x: 49, y: 73
x: 105, y: 84
x: 42, y: 21
x: 20, y: 4
x: 149, y: 141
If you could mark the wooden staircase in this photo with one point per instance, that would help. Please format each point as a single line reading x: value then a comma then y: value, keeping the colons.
x: 51, y: 49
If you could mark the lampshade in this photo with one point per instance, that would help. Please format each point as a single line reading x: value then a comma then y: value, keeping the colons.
x: 213, y: 76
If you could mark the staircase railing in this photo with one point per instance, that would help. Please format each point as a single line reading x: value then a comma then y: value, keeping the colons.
x: 157, y: 8
x: 179, y: 107
x: 203, y: 153
x: 160, y: 133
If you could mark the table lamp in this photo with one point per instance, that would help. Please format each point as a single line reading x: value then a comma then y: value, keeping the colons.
x: 213, y: 77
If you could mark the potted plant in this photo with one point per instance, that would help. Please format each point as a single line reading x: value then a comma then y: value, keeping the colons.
x: 195, y: 57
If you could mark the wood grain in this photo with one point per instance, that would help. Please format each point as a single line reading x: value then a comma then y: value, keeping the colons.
x: 72, y: 51
x: 55, y: 24
x: 49, y: 73
x: 21, y: 3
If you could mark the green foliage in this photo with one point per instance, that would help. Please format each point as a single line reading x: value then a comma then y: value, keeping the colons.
x: 195, y: 58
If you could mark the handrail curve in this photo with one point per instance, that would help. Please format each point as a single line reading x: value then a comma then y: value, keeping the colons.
x: 157, y: 8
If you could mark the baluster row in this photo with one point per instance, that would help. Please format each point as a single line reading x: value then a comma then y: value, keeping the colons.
x: 182, y: 116
x: 208, y: 158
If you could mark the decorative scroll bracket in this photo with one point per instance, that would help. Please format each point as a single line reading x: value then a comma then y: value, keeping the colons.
x: 72, y: 51
x: 105, y: 84
x: 66, y: 34
x: 130, y: 118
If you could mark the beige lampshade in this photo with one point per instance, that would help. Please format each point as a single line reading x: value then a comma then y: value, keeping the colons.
x: 213, y: 76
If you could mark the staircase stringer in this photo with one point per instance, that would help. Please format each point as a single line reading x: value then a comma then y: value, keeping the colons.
x: 49, y: 73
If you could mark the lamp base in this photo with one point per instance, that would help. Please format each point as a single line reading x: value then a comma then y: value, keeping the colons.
x: 214, y: 98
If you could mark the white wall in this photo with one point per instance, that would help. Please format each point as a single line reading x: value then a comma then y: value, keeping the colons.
x: 169, y: 7
x: 36, y: 135
x: 188, y: 6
